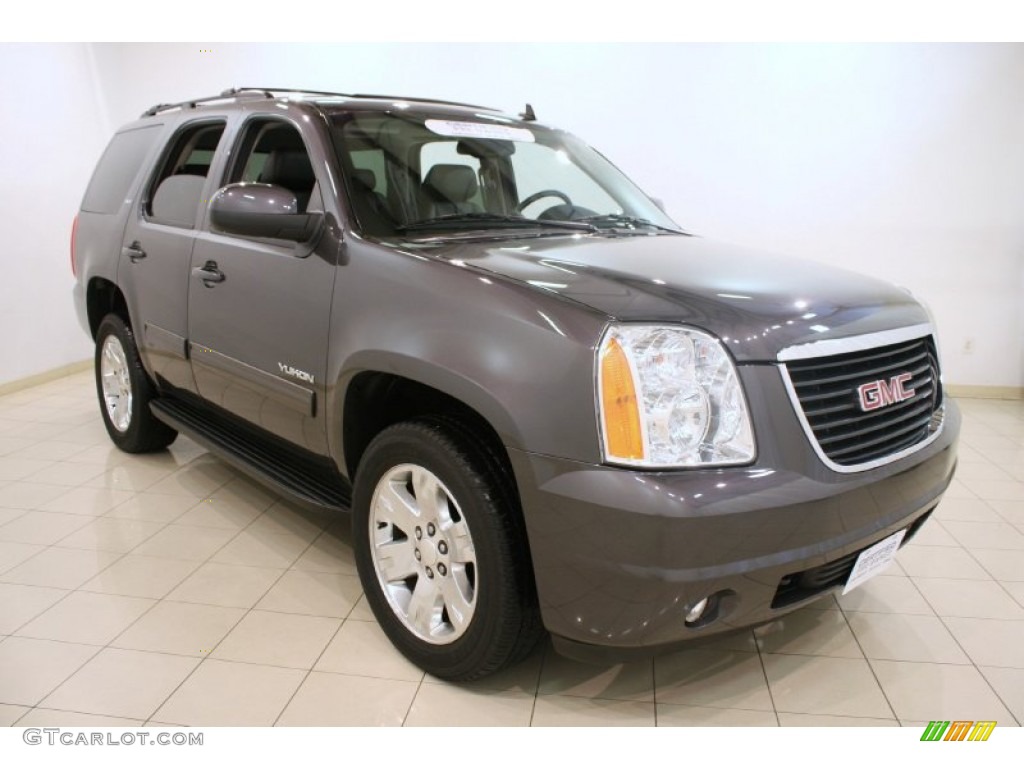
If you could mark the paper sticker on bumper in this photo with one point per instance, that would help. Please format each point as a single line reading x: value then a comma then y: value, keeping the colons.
x: 874, y: 560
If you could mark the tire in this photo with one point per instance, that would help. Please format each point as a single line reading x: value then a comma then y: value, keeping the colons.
x: 125, y: 391
x: 440, y: 548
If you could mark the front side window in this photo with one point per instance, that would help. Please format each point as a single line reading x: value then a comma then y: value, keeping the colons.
x: 176, y: 191
x: 273, y: 152
x: 408, y: 174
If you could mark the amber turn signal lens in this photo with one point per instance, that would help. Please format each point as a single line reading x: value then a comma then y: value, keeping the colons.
x: 619, y: 408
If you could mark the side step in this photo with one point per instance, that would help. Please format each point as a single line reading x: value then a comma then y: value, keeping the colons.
x: 279, y: 469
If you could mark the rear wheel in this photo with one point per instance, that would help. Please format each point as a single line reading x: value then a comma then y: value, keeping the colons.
x: 125, y: 391
x: 439, y: 549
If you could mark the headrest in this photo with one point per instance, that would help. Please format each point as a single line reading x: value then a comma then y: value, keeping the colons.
x: 455, y: 183
x: 365, y: 177
x: 290, y: 169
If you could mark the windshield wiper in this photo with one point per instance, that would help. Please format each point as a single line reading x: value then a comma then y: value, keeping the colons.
x: 632, y: 221
x: 478, y: 219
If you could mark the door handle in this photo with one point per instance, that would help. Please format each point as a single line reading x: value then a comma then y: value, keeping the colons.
x: 134, y: 252
x: 209, y: 273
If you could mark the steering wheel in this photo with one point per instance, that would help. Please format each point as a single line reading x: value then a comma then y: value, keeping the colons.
x: 523, y: 204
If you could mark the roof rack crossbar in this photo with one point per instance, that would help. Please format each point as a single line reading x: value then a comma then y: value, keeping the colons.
x: 269, y: 93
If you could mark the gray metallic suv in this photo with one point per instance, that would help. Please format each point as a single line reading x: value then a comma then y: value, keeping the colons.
x: 546, y: 406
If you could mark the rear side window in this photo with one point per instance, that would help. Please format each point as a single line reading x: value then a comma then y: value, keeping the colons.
x: 117, y: 168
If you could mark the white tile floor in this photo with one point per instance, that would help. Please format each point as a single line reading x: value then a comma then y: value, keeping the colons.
x: 170, y: 589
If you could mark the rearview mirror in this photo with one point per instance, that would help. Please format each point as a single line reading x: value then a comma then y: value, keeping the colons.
x: 262, y: 210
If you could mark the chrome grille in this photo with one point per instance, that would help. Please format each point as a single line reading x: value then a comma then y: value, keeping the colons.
x: 827, y: 392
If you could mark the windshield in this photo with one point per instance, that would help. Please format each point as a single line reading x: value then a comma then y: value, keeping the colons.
x: 411, y: 175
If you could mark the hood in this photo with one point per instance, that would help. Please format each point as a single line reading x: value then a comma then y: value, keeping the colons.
x: 758, y: 303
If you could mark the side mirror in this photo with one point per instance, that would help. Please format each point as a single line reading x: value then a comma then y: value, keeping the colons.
x: 262, y: 210
x: 660, y: 203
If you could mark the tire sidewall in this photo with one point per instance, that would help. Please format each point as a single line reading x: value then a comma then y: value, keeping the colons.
x: 131, y: 438
x: 477, y: 503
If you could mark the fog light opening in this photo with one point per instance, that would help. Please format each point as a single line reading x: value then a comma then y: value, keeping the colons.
x: 709, y: 609
x: 696, y: 612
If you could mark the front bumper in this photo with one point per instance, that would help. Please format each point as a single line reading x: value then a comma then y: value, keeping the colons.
x: 619, y: 556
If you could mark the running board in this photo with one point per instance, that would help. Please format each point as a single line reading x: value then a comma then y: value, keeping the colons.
x: 279, y: 469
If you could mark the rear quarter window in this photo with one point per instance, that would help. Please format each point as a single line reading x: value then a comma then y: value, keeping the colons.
x: 117, y: 169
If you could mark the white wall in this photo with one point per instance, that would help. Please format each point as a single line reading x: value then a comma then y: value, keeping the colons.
x: 52, y: 131
x: 905, y: 161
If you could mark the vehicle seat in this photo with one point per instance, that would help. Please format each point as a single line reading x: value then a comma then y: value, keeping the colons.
x: 291, y: 169
x: 368, y: 201
x: 366, y: 183
x: 449, y: 189
x: 176, y: 200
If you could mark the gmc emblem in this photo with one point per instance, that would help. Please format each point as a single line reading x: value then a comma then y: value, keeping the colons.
x: 879, y: 394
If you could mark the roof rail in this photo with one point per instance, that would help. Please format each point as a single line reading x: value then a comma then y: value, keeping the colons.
x: 269, y: 93
x: 230, y: 93
x: 362, y: 96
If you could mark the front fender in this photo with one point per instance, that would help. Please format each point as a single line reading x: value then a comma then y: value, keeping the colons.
x: 522, y: 359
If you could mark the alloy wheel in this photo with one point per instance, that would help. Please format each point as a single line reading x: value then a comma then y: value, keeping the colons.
x: 423, y: 554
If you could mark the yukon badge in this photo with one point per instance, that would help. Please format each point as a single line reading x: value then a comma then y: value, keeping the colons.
x: 295, y: 373
x: 880, y: 393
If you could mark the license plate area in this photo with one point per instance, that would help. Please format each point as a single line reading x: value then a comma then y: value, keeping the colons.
x: 874, y: 560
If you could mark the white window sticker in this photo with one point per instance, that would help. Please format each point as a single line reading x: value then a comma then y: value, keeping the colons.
x: 479, y: 130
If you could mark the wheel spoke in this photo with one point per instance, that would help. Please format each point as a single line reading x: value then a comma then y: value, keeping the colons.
x: 429, y: 496
x: 425, y: 608
x: 116, y: 383
x: 460, y: 542
x: 395, y: 506
x: 395, y: 560
x: 118, y: 412
x: 423, y: 554
x: 460, y: 610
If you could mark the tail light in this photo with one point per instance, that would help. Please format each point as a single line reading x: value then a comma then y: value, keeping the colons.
x: 74, y: 233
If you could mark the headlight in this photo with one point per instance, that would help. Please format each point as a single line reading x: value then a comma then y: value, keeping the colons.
x: 670, y: 397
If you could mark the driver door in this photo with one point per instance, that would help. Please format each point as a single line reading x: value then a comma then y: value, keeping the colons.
x: 259, y: 308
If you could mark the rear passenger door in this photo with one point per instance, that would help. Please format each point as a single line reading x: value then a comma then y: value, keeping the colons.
x: 258, y: 336
x: 155, y: 257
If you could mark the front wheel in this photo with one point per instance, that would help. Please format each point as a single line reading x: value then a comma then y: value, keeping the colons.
x: 439, y: 548
x: 125, y: 391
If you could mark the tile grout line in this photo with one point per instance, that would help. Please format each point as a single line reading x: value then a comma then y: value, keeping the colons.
x: 412, y: 701
x: 108, y: 645
x: 288, y: 569
x: 548, y: 649
x: 942, y: 620
x: 980, y: 564
x: 75, y: 712
x: 767, y: 684
x: 867, y: 660
x: 316, y: 661
x: 71, y: 674
x: 241, y: 618
x: 974, y: 665
x: 654, y: 688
